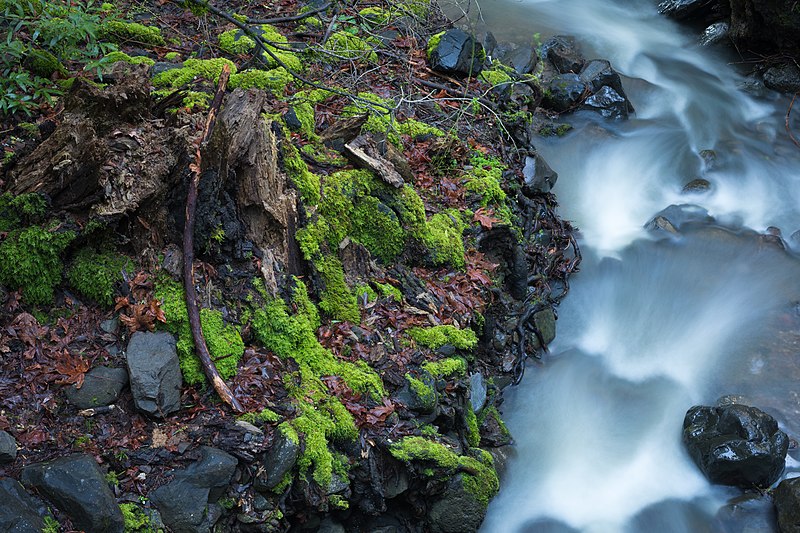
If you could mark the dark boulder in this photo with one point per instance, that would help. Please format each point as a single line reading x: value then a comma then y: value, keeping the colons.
x: 747, y: 513
x: 77, y: 487
x: 19, y: 511
x: 598, y: 73
x: 154, y: 372
x: 672, y: 218
x: 563, y: 53
x: 456, y: 52
x: 278, y: 460
x: 784, y: 78
x: 787, y: 503
x: 538, y: 177
x: 188, y: 503
x: 101, y: 386
x: 608, y: 102
x: 686, y: 9
x: 565, y: 92
x: 735, y: 444
x: 716, y: 33
x: 522, y: 59
x: 8, y: 448
x: 697, y: 185
x: 458, y: 510
x: 765, y: 24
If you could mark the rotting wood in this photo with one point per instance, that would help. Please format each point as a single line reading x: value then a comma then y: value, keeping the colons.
x: 193, y: 309
x: 364, y: 150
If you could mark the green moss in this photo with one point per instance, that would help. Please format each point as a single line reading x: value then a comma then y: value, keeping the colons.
x: 322, y: 155
x: 443, y: 239
x: 265, y: 416
x: 376, y: 15
x: 307, y: 183
x: 437, y: 336
x: 377, y: 227
x: 483, y: 484
x: 289, y: 432
x: 416, y: 129
x: 337, y: 300
x: 345, y: 45
x: 275, y: 41
x: 172, y: 56
x: 233, y: 42
x: 495, y: 77
x: 452, y: 366
x: 305, y: 114
x: 493, y: 413
x: 136, y: 520
x: 44, y: 64
x: 118, y: 31
x: 208, y: 69
x: 390, y: 291
x: 22, y: 210
x: 471, y: 423
x: 116, y: 55
x: 339, y: 502
x: 51, y: 525
x: 95, y: 274
x: 224, y: 341
x: 485, y: 178
x: 305, y: 307
x: 424, y: 394
x: 274, y: 80
x: 433, y: 43
x: 365, y: 293
x: 30, y: 259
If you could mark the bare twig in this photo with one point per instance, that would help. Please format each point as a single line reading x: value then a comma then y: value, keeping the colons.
x: 291, y: 18
x: 209, y: 367
x: 788, y: 116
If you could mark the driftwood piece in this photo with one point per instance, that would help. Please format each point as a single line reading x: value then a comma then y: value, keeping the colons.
x: 203, y: 354
x: 364, y: 151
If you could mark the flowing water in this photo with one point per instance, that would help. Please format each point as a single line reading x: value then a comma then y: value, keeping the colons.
x: 654, y: 324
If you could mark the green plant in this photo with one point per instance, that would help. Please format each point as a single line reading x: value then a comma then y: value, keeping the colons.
x: 95, y: 274
x: 51, y: 525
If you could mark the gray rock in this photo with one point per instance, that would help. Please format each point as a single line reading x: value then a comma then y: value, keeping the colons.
x: 563, y: 53
x: 787, y: 503
x: 458, y: 510
x: 685, y: 9
x: 77, y: 487
x: 110, y: 326
x: 674, y: 217
x: 697, y: 185
x: 538, y: 176
x: 608, y: 103
x: 545, y: 322
x: 522, y: 59
x: 154, y: 372
x: 598, y: 73
x: 784, y: 78
x: 8, y: 448
x: 187, y: 503
x: 101, y: 386
x: 163, y: 66
x: 748, y: 513
x: 291, y: 120
x: 477, y: 389
x: 19, y: 511
x: 457, y: 53
x: 565, y: 92
x: 277, y: 461
x: 716, y: 33
x: 735, y: 444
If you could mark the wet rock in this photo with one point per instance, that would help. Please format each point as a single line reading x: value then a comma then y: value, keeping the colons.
x: 292, y: 121
x: 598, y: 74
x: 173, y: 261
x: 522, y: 59
x: 187, y: 503
x: 163, y: 66
x: 735, y: 444
x: 608, y: 103
x: 748, y: 513
x: 548, y: 525
x: 545, y: 323
x: 493, y: 430
x: 563, y: 53
x: 458, y: 510
x: 77, y: 487
x: 277, y: 461
x: 685, y: 9
x: 674, y: 217
x: 697, y: 185
x: 154, y: 372
x: 101, y: 386
x: 565, y: 92
x: 419, y: 394
x: 8, y: 448
x: 457, y: 53
x: 784, y: 78
x: 538, y: 176
x: 477, y: 388
x: 110, y: 326
x: 19, y: 511
x: 716, y: 33
x: 787, y: 503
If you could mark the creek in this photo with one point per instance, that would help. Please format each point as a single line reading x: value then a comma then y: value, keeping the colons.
x: 655, y: 323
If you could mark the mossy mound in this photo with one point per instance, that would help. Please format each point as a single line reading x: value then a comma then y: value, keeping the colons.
x: 208, y: 69
x: 437, y: 336
x: 115, y: 56
x: 94, y: 274
x: 343, y: 45
x: 118, y: 31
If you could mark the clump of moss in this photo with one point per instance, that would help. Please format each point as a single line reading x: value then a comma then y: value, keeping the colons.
x: 30, y: 259
x: 452, y: 366
x: 276, y: 42
x: 136, y: 520
x: 307, y: 182
x: 424, y: 394
x: 337, y: 300
x: 433, y: 43
x: 481, y: 481
x: 376, y: 15
x: 437, y: 336
x: 471, y: 423
x: 236, y: 43
x: 94, y: 274
x: 22, y: 210
x: 304, y: 111
x: 377, y: 227
x: 274, y: 80
x: 118, y: 31
x: 322, y: 155
x: 224, y: 341
x: 390, y: 291
x: 443, y: 239
x: 491, y: 412
x: 380, y: 119
x: 496, y: 76
x: 172, y: 56
x: 116, y: 55
x: 265, y: 416
x: 365, y: 294
x: 43, y: 64
x: 209, y: 69
x: 345, y: 45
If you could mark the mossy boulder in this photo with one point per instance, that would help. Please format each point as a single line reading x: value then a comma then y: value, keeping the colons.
x: 118, y: 31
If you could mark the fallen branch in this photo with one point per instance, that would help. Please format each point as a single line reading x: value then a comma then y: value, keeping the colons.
x: 188, y: 253
x: 788, y: 116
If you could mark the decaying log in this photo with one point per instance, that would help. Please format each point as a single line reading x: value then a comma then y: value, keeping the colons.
x: 364, y: 150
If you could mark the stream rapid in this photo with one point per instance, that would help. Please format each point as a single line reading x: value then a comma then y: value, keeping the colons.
x: 654, y: 323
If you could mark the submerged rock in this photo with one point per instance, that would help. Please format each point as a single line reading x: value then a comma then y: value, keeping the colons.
x: 784, y: 78
x: 155, y: 373
x: 715, y: 33
x: 76, y: 486
x: 787, y: 503
x: 697, y: 185
x: 608, y: 102
x: 735, y: 444
x: 456, y: 52
x: 458, y: 511
x: 672, y: 218
x: 686, y: 9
